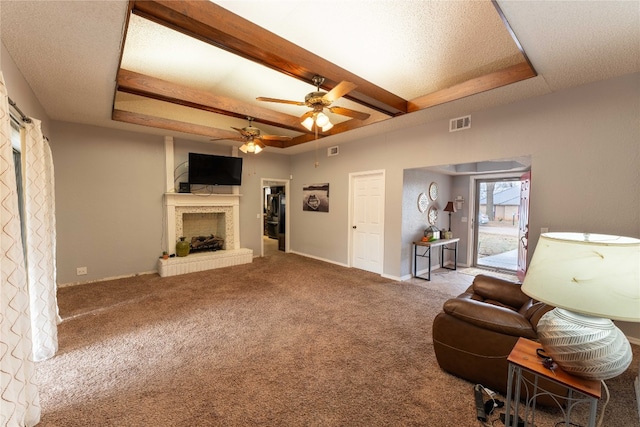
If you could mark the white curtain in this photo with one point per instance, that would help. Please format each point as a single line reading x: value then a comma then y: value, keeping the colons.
x: 40, y: 234
x: 19, y: 399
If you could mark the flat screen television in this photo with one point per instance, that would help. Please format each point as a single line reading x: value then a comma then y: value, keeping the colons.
x: 207, y: 169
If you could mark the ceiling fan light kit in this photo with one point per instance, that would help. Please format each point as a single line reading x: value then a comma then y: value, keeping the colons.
x: 320, y: 100
x: 319, y: 119
x: 252, y: 138
x: 250, y: 147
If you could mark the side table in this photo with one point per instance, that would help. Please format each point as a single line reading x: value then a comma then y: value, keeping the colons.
x: 524, y: 357
x: 442, y: 243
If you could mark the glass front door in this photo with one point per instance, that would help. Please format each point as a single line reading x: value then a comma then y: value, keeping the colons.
x: 497, y: 207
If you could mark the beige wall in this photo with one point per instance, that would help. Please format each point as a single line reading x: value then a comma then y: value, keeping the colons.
x: 583, y: 143
x: 109, y: 187
x: 585, y: 154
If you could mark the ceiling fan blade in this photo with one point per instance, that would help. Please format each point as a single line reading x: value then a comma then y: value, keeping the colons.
x: 340, y: 90
x: 275, y: 138
x: 349, y: 113
x: 242, y: 131
x: 280, y: 101
x: 259, y: 143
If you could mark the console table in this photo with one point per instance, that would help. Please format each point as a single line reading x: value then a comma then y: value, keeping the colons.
x: 426, y: 253
x: 524, y: 357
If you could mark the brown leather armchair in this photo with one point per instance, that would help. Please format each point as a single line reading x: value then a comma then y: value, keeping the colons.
x: 476, y: 331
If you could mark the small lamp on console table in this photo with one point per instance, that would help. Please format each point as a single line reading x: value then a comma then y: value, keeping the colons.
x: 450, y: 208
x: 590, y: 279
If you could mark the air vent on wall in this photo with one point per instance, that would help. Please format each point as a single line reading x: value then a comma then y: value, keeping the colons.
x: 332, y: 151
x: 460, y: 123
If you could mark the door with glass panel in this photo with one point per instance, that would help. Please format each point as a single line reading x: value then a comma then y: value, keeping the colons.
x: 497, y: 222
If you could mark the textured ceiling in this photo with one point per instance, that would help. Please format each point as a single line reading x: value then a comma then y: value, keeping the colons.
x: 69, y: 53
x: 408, y: 49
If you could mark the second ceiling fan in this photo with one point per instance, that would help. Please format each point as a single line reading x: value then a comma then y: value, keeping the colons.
x: 253, y: 138
x: 318, y: 101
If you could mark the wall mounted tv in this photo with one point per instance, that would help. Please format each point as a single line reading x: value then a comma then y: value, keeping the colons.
x: 207, y: 169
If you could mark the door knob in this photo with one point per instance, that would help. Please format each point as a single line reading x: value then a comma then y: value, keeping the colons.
x: 354, y: 227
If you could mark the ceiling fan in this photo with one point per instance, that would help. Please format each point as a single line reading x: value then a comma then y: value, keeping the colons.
x: 319, y: 100
x: 253, y: 138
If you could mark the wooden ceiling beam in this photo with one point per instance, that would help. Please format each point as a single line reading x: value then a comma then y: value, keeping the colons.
x: 151, y: 87
x: 213, y: 24
x: 480, y: 84
x: 162, y: 90
x: 302, y: 139
x: 179, y: 126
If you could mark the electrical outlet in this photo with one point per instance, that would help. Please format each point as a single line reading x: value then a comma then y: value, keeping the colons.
x: 81, y: 271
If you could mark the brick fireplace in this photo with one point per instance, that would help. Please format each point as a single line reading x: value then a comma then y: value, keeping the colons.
x: 192, y: 214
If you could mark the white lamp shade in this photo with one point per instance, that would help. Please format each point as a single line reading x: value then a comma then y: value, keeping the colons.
x: 322, y: 119
x: 326, y: 127
x: 308, y: 123
x: 244, y: 148
x: 593, y: 274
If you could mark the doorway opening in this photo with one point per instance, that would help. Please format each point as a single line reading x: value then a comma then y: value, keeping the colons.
x: 275, y: 225
x: 497, y: 217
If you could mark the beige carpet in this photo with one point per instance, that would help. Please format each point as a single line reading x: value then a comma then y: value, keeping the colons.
x: 284, y: 341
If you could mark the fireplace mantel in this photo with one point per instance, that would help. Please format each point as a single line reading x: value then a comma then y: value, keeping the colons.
x: 195, y: 201
x: 175, y: 204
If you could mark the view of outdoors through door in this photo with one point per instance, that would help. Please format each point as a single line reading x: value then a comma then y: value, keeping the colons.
x: 497, y: 223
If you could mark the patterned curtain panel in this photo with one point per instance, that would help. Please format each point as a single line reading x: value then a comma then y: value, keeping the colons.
x: 19, y: 399
x: 40, y: 230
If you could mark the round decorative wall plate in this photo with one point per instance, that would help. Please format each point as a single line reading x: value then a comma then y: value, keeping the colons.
x: 433, y: 215
x: 433, y: 191
x: 423, y: 202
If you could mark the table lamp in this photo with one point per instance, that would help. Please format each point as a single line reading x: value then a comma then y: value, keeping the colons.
x: 590, y: 279
x: 450, y: 208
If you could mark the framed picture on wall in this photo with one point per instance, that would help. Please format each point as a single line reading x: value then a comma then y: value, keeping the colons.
x: 315, y: 197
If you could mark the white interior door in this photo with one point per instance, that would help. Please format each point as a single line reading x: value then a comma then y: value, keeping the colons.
x: 367, y: 221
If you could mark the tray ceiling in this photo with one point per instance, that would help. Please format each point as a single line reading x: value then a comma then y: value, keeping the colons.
x: 198, y: 67
x: 405, y: 55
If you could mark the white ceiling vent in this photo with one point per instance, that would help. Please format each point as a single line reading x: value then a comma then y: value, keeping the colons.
x: 460, y: 123
x: 333, y: 151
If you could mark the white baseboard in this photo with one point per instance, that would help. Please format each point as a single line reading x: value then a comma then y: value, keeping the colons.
x: 104, y: 279
x: 320, y: 259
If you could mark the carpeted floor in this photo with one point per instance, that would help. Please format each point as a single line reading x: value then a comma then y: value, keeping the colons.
x: 284, y: 341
